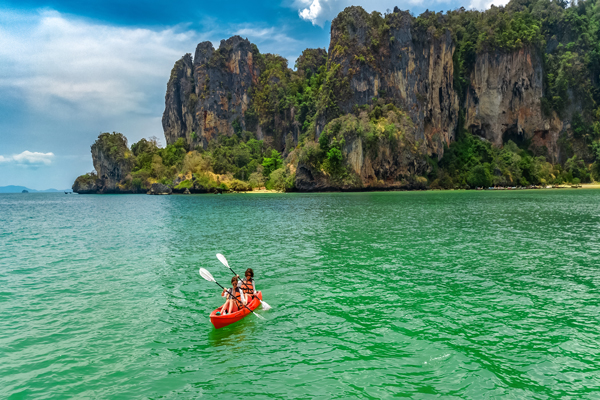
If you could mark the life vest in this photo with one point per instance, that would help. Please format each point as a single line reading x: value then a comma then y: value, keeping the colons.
x: 248, y: 287
x: 237, y: 293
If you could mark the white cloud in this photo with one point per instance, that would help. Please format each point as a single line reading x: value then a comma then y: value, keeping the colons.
x: 485, y: 4
x: 64, y: 66
x: 311, y: 12
x: 67, y: 67
x: 256, y: 33
x: 28, y: 158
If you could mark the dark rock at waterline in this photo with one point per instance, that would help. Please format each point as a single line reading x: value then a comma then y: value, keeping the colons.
x: 25, y: 191
x: 159, y: 188
x: 186, y: 191
x: 86, y: 184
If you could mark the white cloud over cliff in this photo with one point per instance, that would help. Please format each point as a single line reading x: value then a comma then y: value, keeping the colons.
x: 319, y: 11
x: 485, y: 4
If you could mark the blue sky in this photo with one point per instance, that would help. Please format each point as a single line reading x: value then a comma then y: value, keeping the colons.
x: 70, y: 70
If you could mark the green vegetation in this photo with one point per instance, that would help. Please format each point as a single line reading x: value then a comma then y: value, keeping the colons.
x: 280, y: 90
x: 229, y: 163
x: 272, y: 163
x: 113, y: 146
x: 380, y: 127
x: 471, y: 162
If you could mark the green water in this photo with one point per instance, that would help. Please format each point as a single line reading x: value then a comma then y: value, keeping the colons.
x: 433, y: 294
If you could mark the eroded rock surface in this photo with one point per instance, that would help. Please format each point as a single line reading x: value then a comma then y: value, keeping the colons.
x: 209, y: 95
x: 407, y: 66
x: 504, y: 100
x: 159, y: 188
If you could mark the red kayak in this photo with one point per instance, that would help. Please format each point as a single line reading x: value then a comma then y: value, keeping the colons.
x: 220, y: 321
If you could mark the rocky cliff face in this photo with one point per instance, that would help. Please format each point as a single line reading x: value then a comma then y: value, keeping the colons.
x: 209, y: 95
x: 113, y: 162
x: 373, y: 162
x: 374, y: 61
x: 504, y: 101
x: 369, y: 57
x: 393, y: 60
x: 111, y: 168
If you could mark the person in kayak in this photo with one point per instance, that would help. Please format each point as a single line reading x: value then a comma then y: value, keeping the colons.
x: 247, y: 285
x: 235, y: 298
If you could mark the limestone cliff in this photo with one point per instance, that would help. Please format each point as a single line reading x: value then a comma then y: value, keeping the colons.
x: 113, y: 162
x: 376, y: 160
x: 111, y: 167
x: 504, y: 100
x: 209, y: 95
x: 368, y: 58
x: 391, y: 59
x: 393, y: 81
x: 502, y: 75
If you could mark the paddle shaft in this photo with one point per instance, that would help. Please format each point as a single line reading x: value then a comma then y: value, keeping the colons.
x: 239, y: 302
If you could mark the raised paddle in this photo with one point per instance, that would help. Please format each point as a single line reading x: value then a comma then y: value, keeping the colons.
x: 207, y: 275
x: 223, y: 260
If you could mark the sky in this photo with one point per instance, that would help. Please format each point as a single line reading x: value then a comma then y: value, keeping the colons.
x: 70, y: 70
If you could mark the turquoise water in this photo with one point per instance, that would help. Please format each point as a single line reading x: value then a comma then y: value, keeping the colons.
x: 374, y: 295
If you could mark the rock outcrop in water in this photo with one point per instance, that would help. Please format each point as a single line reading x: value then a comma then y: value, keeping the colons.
x: 159, y: 188
x: 113, y: 162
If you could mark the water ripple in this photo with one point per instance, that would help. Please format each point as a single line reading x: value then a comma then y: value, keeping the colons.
x: 374, y: 295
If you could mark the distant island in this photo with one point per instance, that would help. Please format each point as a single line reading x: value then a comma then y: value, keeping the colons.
x: 466, y: 99
x: 23, y: 189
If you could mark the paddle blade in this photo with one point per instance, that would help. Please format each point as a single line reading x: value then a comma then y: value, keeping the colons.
x: 206, y: 275
x: 259, y: 316
x: 265, y: 306
x: 223, y: 260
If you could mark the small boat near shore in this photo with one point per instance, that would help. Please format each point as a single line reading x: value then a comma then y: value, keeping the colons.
x: 220, y: 321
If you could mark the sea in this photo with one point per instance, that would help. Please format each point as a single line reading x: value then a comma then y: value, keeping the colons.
x: 434, y: 294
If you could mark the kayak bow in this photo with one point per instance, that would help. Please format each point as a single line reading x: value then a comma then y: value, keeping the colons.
x: 219, y: 321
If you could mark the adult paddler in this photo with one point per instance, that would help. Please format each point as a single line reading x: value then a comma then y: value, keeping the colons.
x: 247, y: 285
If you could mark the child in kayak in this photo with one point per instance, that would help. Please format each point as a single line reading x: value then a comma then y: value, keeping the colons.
x: 235, y: 298
x: 247, y: 285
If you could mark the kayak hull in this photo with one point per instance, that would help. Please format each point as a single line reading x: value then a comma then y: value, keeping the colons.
x: 220, y: 321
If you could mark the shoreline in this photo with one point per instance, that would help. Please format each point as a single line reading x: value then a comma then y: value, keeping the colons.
x: 594, y: 185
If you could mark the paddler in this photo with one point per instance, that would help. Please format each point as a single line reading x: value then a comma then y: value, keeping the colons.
x: 234, y: 296
x: 247, y: 285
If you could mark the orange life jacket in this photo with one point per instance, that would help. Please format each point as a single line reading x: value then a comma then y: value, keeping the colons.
x: 248, y: 287
x: 237, y: 293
